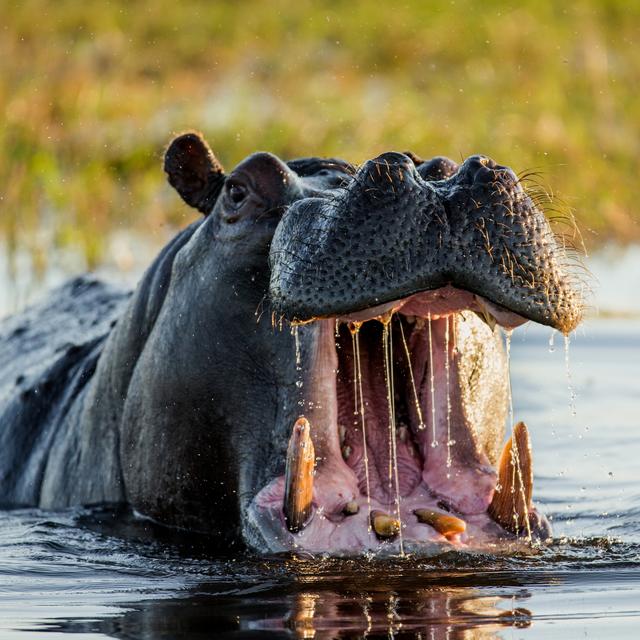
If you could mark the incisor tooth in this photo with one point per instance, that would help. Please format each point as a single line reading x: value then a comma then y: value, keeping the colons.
x: 444, y: 523
x: 384, y: 525
x: 298, y: 492
x: 511, y: 501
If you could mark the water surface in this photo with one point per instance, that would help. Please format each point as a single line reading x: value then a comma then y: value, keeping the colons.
x: 102, y: 574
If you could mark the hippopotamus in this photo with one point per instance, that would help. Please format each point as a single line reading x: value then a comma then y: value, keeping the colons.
x: 317, y: 364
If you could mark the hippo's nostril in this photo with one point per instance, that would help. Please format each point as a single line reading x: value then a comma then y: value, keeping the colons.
x: 388, y: 168
x: 482, y: 170
x: 437, y: 168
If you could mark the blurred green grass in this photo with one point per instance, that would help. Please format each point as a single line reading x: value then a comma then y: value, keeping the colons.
x: 90, y: 94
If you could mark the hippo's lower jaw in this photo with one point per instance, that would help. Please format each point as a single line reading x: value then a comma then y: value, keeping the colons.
x: 427, y: 480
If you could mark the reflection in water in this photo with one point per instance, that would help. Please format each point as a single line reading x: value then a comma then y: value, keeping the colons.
x: 429, y: 613
x: 348, y: 611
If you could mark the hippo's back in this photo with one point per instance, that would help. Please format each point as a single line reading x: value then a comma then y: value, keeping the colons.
x: 47, y: 354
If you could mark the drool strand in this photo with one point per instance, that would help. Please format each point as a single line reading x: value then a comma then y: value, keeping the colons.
x: 447, y: 371
x: 515, y: 458
x: 434, y: 441
x: 387, y: 346
x: 572, y: 392
x: 421, y: 424
x: 355, y: 337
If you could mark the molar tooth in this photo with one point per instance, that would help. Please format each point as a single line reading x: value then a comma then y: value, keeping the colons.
x: 298, y: 492
x: 384, y: 525
x: 443, y: 523
x: 511, y: 501
x: 351, y: 508
x: 346, y: 451
x: 342, y: 430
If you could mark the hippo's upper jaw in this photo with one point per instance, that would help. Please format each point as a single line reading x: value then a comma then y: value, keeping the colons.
x: 397, y: 281
x: 390, y: 233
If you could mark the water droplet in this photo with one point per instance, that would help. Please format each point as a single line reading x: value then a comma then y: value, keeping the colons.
x: 572, y: 393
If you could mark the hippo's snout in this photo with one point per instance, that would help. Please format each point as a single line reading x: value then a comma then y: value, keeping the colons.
x: 390, y: 233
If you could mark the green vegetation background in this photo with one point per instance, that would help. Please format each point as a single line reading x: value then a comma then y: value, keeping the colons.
x: 90, y: 94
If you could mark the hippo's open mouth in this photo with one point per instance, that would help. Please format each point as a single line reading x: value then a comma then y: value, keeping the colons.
x: 388, y: 458
x: 398, y: 281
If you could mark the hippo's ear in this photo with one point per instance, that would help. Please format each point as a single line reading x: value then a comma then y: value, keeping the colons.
x: 193, y: 171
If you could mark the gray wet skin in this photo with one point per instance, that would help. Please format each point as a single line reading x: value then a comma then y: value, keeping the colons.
x: 179, y: 398
x: 390, y: 233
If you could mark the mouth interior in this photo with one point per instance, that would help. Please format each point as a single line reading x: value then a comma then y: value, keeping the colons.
x: 400, y: 414
x: 380, y: 383
x: 391, y: 428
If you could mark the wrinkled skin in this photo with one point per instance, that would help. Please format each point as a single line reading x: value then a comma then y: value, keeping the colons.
x: 179, y: 399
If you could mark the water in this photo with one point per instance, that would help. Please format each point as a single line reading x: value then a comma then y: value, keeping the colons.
x: 102, y: 575
x: 75, y: 572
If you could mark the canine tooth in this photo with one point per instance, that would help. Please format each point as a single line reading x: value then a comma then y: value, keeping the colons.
x: 443, y: 523
x: 351, y: 508
x: 512, y: 498
x: 298, y: 490
x: 384, y: 525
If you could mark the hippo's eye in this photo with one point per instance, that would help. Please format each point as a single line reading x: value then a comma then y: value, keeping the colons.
x: 237, y: 193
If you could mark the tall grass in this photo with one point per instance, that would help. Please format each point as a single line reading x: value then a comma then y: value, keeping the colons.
x: 91, y: 92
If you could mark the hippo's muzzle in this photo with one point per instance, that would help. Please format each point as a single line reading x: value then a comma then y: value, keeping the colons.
x: 390, y: 234
x: 398, y: 279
